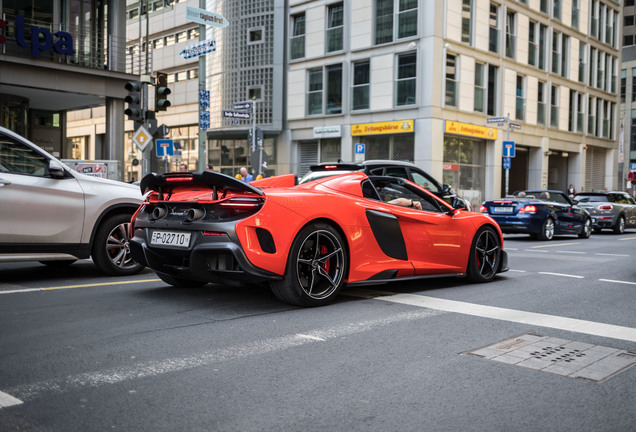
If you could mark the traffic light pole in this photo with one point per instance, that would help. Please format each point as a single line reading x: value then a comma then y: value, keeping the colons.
x: 203, y: 159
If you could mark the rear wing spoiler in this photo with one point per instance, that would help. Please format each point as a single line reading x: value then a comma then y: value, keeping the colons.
x: 163, y: 183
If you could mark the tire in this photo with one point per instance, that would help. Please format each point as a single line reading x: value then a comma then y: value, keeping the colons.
x: 586, y: 230
x: 547, y: 230
x: 316, y: 267
x: 619, y: 228
x: 111, y: 250
x: 180, y: 282
x: 58, y: 263
x: 484, y: 257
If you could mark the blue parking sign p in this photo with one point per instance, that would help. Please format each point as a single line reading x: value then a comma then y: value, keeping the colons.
x: 360, y: 148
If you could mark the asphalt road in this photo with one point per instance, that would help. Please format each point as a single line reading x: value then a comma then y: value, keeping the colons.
x: 83, y: 352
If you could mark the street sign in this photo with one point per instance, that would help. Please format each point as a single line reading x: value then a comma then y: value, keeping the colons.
x: 496, y: 120
x: 204, y: 99
x: 630, y: 176
x: 242, y: 106
x: 632, y: 166
x: 204, y: 120
x: 142, y: 138
x: 204, y: 17
x: 508, y: 149
x: 243, y: 115
x: 164, y: 147
x: 506, y: 162
x: 360, y: 148
x: 198, y: 49
x: 514, y: 126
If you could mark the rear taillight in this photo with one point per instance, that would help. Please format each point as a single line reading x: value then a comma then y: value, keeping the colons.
x: 607, y: 207
x: 529, y: 209
x: 483, y: 209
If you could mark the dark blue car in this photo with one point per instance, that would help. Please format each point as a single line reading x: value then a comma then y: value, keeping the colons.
x: 540, y: 213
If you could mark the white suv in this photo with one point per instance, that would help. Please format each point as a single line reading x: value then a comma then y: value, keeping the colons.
x: 52, y: 214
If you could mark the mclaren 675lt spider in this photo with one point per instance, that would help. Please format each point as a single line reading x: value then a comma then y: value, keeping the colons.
x: 307, y: 241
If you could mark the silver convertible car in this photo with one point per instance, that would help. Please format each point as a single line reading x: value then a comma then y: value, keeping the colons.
x: 55, y: 215
x: 609, y: 210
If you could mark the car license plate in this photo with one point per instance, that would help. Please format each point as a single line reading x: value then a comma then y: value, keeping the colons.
x: 168, y: 238
x: 503, y: 209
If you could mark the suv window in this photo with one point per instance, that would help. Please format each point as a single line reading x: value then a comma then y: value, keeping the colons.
x: 16, y: 158
x: 419, y: 179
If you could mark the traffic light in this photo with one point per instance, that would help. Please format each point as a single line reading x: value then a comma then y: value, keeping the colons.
x: 161, y: 92
x: 133, y: 100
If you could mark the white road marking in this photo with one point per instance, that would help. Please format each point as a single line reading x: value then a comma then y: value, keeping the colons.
x: 7, y: 400
x: 154, y: 368
x: 617, y: 281
x: 518, y: 271
x: 517, y: 316
x: 562, y: 274
x: 614, y: 255
x: 572, y: 252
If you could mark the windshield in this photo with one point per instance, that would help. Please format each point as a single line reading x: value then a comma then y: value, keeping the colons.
x: 313, y: 175
x: 590, y: 198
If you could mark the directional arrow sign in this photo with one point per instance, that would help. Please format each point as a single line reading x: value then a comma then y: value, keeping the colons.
x: 243, y: 115
x: 198, y: 49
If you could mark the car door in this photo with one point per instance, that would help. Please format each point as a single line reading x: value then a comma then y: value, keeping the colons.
x: 569, y: 217
x: 34, y: 207
x: 433, y: 242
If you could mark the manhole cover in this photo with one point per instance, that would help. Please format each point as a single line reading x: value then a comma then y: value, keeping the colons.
x: 559, y: 356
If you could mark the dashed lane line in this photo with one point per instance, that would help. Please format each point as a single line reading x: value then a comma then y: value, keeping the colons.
x: 562, y: 275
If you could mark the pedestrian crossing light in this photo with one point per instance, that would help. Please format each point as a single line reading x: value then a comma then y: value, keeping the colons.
x: 133, y: 99
x: 161, y: 92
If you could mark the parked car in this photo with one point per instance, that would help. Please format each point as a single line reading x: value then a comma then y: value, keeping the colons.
x: 306, y: 241
x: 390, y: 168
x: 609, y: 210
x: 540, y: 213
x: 56, y: 215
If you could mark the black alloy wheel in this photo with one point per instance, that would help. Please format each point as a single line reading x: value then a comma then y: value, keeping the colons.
x: 111, y: 247
x: 485, y: 254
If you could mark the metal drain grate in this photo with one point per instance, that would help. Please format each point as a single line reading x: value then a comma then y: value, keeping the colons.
x: 559, y: 356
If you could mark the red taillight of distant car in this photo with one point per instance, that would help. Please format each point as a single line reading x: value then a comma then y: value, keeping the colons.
x: 483, y: 209
x: 529, y: 209
x: 607, y: 207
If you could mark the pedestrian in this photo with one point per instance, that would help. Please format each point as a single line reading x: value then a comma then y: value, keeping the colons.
x: 183, y: 167
x: 246, y: 176
x: 209, y: 167
x: 571, y: 191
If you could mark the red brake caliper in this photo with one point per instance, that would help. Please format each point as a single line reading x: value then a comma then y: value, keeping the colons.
x: 323, y: 251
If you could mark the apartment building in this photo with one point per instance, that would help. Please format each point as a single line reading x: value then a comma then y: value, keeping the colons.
x: 628, y: 91
x: 445, y: 83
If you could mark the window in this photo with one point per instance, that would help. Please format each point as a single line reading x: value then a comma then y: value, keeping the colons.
x: 297, y: 49
x: 591, y: 116
x: 361, y: 86
x: 467, y: 22
x: 255, y: 93
x: 582, y: 50
x: 541, y: 103
x: 511, y: 34
x: 451, y: 80
x: 543, y: 46
x: 520, y: 106
x: 406, y: 19
x: 556, y: 52
x: 633, y: 84
x: 533, y: 43
x: 556, y: 9
x: 480, y: 87
x: 255, y: 35
x: 623, y: 85
x: 554, y: 106
x: 314, y: 91
x: 335, y: 19
x: 565, y: 55
x: 572, y: 111
x: 580, y: 116
x: 406, y: 82
x: 493, y: 38
x: 576, y: 8
x: 383, y: 21
x: 493, y: 73
x: 17, y: 158
x: 334, y: 89
x: 543, y: 6
x: 600, y: 67
x: 594, y: 24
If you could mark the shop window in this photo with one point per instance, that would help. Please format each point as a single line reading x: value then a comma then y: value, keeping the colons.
x: 394, y: 147
x: 464, y: 167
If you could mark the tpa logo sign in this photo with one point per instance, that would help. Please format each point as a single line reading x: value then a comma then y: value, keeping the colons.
x: 41, y: 38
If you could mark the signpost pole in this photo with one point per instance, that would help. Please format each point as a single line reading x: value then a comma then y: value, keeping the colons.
x: 507, y: 139
x: 203, y: 160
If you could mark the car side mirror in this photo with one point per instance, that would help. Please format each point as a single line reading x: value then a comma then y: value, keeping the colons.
x: 56, y: 170
x: 458, y: 203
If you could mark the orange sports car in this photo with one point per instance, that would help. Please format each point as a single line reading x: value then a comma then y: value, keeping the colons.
x: 307, y: 241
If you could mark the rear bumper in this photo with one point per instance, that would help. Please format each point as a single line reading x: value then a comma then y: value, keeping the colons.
x: 216, y: 259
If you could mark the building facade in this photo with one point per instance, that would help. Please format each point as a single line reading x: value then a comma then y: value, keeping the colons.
x: 58, y: 56
x: 445, y: 83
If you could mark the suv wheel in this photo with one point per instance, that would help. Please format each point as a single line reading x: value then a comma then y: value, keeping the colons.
x: 111, y: 250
